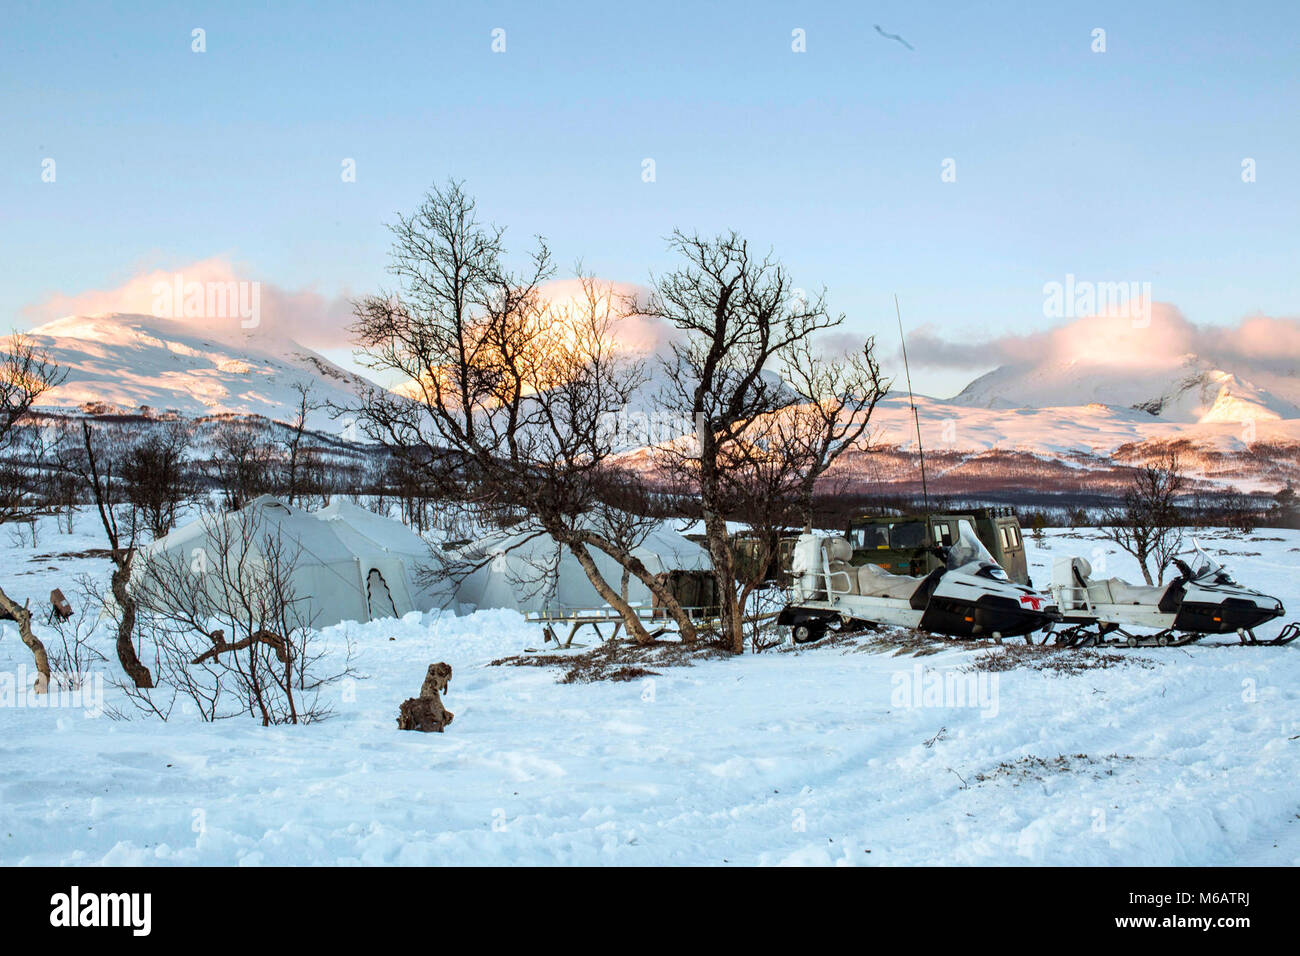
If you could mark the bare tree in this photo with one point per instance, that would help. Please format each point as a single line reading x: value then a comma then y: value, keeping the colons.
x: 508, y: 392
x: 26, y: 374
x: 627, y: 530
x: 299, y: 460
x: 393, y: 475
x: 245, y: 463
x: 1147, y: 523
x: 97, y: 463
x: 26, y: 489
x: 63, y: 489
x: 770, y: 415
x: 156, y: 476
x: 1285, y: 511
x: 1239, y: 511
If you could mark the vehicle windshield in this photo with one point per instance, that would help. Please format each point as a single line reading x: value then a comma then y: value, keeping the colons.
x: 904, y: 535
x: 1205, y: 567
x: 967, y: 548
x: 870, y: 537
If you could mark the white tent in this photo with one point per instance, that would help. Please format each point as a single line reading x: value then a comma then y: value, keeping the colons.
x: 529, y: 573
x: 350, y: 564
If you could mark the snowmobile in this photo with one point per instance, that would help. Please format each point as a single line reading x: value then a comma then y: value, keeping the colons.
x: 1200, y: 601
x: 968, y: 595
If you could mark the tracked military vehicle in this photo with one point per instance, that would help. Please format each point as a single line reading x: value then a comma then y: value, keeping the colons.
x: 912, y: 544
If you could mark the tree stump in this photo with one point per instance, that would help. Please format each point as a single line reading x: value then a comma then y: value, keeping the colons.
x: 426, y: 713
x: 61, y: 608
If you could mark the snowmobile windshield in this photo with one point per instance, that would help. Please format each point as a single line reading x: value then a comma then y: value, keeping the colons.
x: 967, y: 548
x: 1206, y: 568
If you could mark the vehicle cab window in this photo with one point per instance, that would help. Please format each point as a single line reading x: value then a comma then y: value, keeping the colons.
x: 907, y: 534
x: 869, y: 537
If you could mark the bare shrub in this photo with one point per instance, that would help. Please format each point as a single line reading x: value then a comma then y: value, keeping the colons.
x: 74, y: 653
x: 233, y: 634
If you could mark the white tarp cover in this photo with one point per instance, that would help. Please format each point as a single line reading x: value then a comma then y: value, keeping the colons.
x: 337, y: 549
x: 521, y: 572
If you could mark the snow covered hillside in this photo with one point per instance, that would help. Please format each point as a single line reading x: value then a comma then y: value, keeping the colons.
x: 1056, y: 429
x: 126, y: 361
x: 1037, y: 456
x: 829, y: 755
x: 1055, y: 409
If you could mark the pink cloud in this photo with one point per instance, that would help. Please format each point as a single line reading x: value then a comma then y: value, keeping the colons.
x: 314, y: 319
x: 635, y: 332
x: 305, y: 316
x: 1165, y: 334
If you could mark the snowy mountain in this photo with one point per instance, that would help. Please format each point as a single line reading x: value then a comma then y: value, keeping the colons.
x: 1080, y: 414
x: 128, y: 361
x: 1187, y: 388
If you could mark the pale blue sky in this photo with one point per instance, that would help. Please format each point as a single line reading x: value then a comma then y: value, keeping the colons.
x: 1118, y: 166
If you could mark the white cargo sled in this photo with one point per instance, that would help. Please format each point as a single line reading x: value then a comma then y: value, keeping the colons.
x: 1199, y: 601
x: 970, y: 596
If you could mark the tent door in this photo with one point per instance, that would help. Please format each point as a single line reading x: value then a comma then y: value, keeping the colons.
x: 381, y: 601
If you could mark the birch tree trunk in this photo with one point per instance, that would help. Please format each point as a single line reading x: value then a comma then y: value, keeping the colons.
x: 126, y: 654
x: 612, y: 598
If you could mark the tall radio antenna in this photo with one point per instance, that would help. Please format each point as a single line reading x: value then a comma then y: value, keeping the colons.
x: 911, y: 399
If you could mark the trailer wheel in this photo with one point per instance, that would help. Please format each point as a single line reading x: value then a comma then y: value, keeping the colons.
x: 807, y: 632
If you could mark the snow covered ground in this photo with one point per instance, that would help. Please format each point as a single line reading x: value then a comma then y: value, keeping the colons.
x: 820, y: 756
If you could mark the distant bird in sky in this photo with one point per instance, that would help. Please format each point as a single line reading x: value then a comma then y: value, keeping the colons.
x: 892, y: 36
